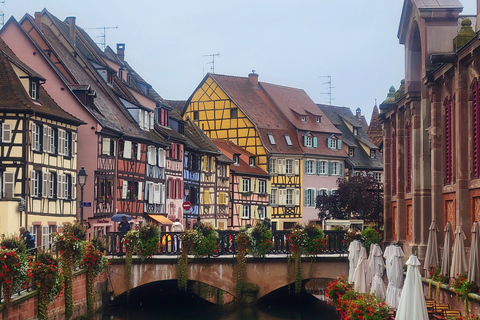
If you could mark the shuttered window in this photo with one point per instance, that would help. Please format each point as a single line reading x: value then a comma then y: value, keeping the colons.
x: 8, y: 184
x: 6, y: 133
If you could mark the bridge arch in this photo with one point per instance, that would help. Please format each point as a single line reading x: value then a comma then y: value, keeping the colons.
x: 270, y: 273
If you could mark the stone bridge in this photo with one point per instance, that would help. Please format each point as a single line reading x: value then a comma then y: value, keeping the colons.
x: 269, y: 273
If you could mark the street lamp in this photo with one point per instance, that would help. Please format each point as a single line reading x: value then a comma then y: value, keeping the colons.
x: 82, y: 179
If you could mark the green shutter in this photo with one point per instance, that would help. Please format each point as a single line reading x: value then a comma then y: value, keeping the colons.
x: 329, y: 168
x: 339, y: 144
x: 329, y: 142
x: 305, y: 197
x: 340, y: 170
x: 314, y: 142
x: 318, y: 166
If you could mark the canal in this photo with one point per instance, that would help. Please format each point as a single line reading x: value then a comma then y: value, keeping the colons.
x: 165, y: 302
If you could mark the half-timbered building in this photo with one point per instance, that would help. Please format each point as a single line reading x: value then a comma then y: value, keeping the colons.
x: 239, y: 110
x: 38, y: 154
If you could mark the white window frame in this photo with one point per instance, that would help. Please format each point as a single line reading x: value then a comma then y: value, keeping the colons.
x: 274, y: 196
x: 372, y: 154
x: 6, y: 133
x: 246, y: 185
x: 378, y: 176
x: 288, y: 140
x: 289, y: 166
x: 310, y: 167
x: 335, y: 168
x: 273, y: 165
x: 36, y: 138
x: 308, y: 141
x: 261, y: 210
x: 33, y: 90
x: 289, y: 197
x: 271, y: 138
x: 303, y: 118
x: 262, y: 186
x: 323, y: 167
x: 333, y: 144
x: 8, y: 183
x: 36, y: 180
x: 351, y: 152
x: 246, y: 211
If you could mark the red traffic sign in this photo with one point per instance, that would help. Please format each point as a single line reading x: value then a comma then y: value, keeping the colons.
x: 186, y: 205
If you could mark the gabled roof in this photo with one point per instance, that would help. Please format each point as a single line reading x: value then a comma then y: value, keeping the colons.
x: 340, y: 116
x: 14, y: 97
x: 179, y: 105
x: 257, y: 106
x: 229, y: 149
x: 375, y: 129
x: 294, y: 103
x: 198, y: 140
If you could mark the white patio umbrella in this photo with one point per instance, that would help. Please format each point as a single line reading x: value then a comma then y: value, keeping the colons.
x: 459, y: 260
x: 360, y: 273
x: 474, y: 263
x: 447, y: 250
x: 370, y: 272
x: 394, y: 263
x: 431, y: 256
x: 353, y: 254
x: 412, y: 301
x: 377, y: 265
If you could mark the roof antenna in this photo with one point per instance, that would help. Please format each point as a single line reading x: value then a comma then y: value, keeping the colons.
x: 2, y: 15
x: 329, y: 83
x: 213, y: 55
x: 103, y: 36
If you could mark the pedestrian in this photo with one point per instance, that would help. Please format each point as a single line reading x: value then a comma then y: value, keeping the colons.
x: 267, y: 223
x: 28, y: 239
x: 124, y: 226
x: 197, y: 223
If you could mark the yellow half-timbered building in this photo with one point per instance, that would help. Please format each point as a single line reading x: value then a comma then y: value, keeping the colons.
x: 38, y: 161
x: 239, y: 110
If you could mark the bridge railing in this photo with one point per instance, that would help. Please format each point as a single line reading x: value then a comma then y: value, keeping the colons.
x: 171, y: 244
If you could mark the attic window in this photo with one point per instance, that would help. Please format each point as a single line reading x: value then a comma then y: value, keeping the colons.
x: 271, y: 138
x: 195, y: 115
x: 288, y: 140
x: 372, y: 154
x: 252, y: 161
x: 355, y: 131
x: 235, y: 159
x: 303, y: 118
x: 234, y: 113
x: 34, y: 90
x: 319, y: 119
x: 351, y: 152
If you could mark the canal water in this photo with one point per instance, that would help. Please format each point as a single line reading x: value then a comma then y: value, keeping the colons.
x: 169, y: 304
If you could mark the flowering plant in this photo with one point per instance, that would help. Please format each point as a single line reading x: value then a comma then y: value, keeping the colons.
x: 336, y: 289
x: 462, y: 287
x: 351, y: 235
x: 259, y: 240
x: 315, y: 241
x: 365, y: 307
x: 370, y: 236
x: 10, y: 268
x: 148, y: 240
x: 202, y: 240
x: 94, y: 259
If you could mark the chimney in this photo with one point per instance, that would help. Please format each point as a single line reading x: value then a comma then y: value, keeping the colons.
x: 121, y: 51
x: 38, y: 19
x: 253, y: 78
x: 359, y: 113
x: 71, y: 27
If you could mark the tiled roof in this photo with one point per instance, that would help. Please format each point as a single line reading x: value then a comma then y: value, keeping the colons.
x: 258, y: 107
x: 198, y: 139
x: 179, y: 105
x: 294, y: 103
x: 375, y: 129
x: 13, y: 95
x: 229, y: 149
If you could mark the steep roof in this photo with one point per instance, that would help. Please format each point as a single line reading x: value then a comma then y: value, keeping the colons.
x: 198, y: 140
x: 14, y: 97
x: 375, y: 129
x: 260, y: 110
x: 341, y: 117
x: 229, y: 148
x: 179, y: 105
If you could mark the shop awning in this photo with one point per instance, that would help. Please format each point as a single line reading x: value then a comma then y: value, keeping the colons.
x: 162, y: 219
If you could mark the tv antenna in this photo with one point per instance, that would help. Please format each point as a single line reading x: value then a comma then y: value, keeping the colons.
x: 213, y: 55
x: 2, y: 15
x: 103, y: 36
x: 329, y: 83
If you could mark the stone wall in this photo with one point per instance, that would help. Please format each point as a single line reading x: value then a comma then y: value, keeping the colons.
x: 25, y: 306
x: 448, y: 296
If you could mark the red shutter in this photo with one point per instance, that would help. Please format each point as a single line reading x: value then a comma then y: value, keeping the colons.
x: 476, y: 130
x: 448, y: 142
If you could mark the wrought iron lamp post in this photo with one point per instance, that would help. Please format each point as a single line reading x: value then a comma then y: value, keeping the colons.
x: 82, y: 179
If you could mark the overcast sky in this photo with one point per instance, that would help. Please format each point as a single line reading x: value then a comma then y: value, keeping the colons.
x: 291, y: 43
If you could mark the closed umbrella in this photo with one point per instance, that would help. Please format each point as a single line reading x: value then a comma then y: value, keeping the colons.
x: 474, y: 265
x: 431, y: 256
x: 459, y: 260
x: 412, y: 301
x: 370, y: 272
x: 360, y: 273
x: 394, y: 265
x: 353, y: 254
x: 377, y: 265
x: 447, y: 251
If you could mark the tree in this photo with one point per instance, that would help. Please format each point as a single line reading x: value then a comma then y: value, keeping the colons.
x: 354, y: 198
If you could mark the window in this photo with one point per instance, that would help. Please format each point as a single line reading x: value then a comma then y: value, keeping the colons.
x: 33, y: 90
x: 53, y: 142
x: 252, y: 161
x: 36, y: 137
x: 234, y: 113
x: 130, y: 190
x: 322, y: 167
x: 236, y: 159
x: 319, y: 119
x: 336, y: 168
x: 36, y: 184
x: 8, y: 184
x: 355, y: 131
x: 289, y: 166
x: 372, y: 154
x: 274, y: 196
x: 222, y: 171
x: 246, y: 212
x: 288, y: 140
x: 262, y: 186
x: 310, y: 166
x: 351, y: 152
x: 52, y: 188
x: 222, y: 198
x: 378, y: 176
x: 246, y: 185
x: 308, y: 141
x: 273, y: 165
x: 64, y: 141
x: 322, y: 192
x: 127, y: 149
x: 333, y: 144
x: 195, y: 115
x: 261, y: 212
x: 303, y: 118
x: 152, y: 155
x: 162, y: 116
x: 309, y: 197
x: 271, y: 138
x: 289, y: 198
x: 6, y: 133
x: 108, y: 146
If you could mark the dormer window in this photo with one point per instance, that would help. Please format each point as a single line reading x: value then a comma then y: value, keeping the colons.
x: 372, y: 154
x: 288, y: 140
x: 303, y: 118
x: 271, y: 138
x: 252, y: 161
x: 309, y: 141
x: 236, y: 159
x: 34, y: 90
x: 319, y: 119
x: 355, y: 131
x: 334, y: 143
x: 162, y: 116
x: 351, y: 152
